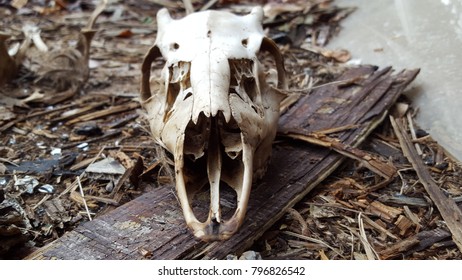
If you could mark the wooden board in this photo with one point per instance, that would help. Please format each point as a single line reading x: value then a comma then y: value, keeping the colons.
x: 152, y: 225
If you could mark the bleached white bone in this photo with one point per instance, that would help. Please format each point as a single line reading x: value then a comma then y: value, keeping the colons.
x: 213, y: 108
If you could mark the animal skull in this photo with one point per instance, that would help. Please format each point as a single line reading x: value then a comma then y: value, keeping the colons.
x: 213, y: 108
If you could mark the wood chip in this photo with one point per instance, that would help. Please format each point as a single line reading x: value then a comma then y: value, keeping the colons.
x: 404, y: 225
x: 384, y: 212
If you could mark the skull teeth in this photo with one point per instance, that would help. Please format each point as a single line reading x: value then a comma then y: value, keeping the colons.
x: 214, y: 165
x: 238, y: 176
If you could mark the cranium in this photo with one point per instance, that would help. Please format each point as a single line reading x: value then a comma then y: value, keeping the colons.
x: 213, y: 108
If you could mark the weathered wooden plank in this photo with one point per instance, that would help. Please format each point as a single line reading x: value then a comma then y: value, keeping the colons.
x: 154, y: 223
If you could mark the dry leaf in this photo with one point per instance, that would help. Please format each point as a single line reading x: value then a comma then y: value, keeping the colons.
x: 338, y: 55
x: 18, y: 4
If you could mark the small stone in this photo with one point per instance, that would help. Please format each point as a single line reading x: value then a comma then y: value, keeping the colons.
x: 56, y: 152
x: 250, y: 255
x: 89, y: 129
x: 83, y: 146
x: 46, y: 189
x: 420, y: 133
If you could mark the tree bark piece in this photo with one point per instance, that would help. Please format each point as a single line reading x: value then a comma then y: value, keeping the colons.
x: 414, y: 243
x: 385, y: 212
x: 152, y: 225
x: 371, y: 162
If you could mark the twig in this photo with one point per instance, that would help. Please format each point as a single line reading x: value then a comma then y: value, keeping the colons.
x: 7, y: 161
x: 378, y: 227
x: 370, y: 252
x: 103, y: 200
x: 41, y: 113
x: 45, y: 198
x: 403, y: 181
x: 411, y: 216
x: 337, y: 129
x: 188, y: 7
x: 288, y: 101
x: 340, y: 83
x: 78, y: 112
x: 317, y: 241
x: 414, y: 243
x: 298, y: 217
x: 399, y: 248
x: 122, y: 180
x: 74, y: 184
x: 352, y: 253
x: 104, y: 113
x: 83, y: 198
x: 209, y: 5
x: 333, y: 205
x: 413, y: 134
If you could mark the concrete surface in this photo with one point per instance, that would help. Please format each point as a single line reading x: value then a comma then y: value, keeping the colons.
x: 424, y: 34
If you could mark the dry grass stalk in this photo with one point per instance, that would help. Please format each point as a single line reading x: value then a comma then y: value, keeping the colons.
x: 370, y: 252
x: 298, y: 217
x: 314, y: 240
x: 83, y: 198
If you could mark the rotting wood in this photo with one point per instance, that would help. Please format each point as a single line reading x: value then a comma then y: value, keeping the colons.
x: 414, y: 243
x: 404, y: 224
x: 450, y: 212
x: 154, y: 221
x: 377, y: 165
x: 385, y: 212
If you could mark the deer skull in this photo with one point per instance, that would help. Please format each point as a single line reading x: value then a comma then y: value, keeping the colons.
x: 213, y: 108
